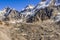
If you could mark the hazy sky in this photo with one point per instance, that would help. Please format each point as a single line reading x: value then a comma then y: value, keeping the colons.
x: 17, y: 4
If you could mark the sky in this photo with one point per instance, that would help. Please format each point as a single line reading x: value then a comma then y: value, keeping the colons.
x: 17, y: 4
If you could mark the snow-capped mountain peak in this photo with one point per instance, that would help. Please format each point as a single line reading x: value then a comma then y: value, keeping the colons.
x: 6, y: 9
x: 41, y: 5
x: 28, y: 7
x: 27, y: 10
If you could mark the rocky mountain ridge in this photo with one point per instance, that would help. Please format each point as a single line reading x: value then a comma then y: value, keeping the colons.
x: 42, y: 11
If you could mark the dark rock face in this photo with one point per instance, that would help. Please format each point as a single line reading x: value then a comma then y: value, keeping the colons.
x: 42, y: 14
x: 7, y: 9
